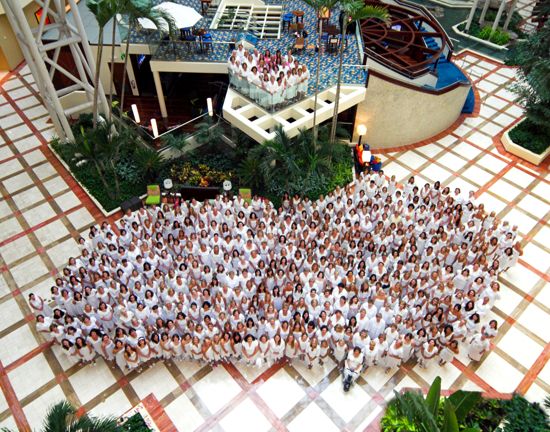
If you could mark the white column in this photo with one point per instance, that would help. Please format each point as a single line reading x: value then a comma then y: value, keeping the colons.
x: 471, y: 16
x: 499, y: 14
x: 160, y: 94
x: 510, y: 13
x: 484, y: 12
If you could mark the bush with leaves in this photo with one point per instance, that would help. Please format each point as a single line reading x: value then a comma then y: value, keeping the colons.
x: 532, y: 56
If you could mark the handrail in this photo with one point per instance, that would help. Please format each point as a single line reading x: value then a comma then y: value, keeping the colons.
x: 420, y: 89
x: 427, y: 12
x: 420, y: 68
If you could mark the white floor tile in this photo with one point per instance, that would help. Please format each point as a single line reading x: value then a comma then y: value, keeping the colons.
x: 536, y: 320
x: 208, y: 389
x: 28, y: 271
x: 114, y: 405
x: 491, y: 163
x: 16, y: 249
x: 520, y: 347
x: 100, y: 375
x: 10, y: 313
x: 16, y: 344
x: 157, y: 380
x: 281, y: 384
x: 499, y: 374
x: 183, y: 414
x: 246, y: 417
x: 312, y: 419
x: 347, y: 405
x: 36, y: 410
x: 30, y: 376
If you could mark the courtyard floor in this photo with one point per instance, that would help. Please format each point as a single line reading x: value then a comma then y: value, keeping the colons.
x: 43, y: 211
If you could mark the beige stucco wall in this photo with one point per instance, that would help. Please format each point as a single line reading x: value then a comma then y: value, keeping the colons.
x: 8, y: 42
x: 397, y: 116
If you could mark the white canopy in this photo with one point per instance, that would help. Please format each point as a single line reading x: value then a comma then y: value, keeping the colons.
x: 184, y: 16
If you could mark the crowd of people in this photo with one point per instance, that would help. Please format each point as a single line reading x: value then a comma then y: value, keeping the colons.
x: 270, y: 80
x: 371, y: 275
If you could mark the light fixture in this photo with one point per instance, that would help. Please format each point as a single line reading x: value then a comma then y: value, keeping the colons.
x: 361, y: 130
x: 155, y: 128
x: 209, y: 106
x: 135, y: 113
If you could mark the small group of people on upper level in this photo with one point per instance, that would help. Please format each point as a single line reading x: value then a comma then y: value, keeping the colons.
x: 270, y: 80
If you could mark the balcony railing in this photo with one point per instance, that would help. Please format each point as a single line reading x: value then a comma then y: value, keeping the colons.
x: 199, y: 50
x: 284, y: 97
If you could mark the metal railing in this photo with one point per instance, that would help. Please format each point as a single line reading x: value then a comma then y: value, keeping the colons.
x: 198, y: 50
x: 287, y: 96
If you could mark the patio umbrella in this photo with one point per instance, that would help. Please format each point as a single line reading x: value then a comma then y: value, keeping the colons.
x: 184, y: 16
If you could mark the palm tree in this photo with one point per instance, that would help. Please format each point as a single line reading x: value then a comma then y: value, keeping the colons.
x: 103, y: 10
x: 135, y: 9
x: 99, y: 147
x: 353, y: 10
x: 319, y: 6
x: 62, y: 417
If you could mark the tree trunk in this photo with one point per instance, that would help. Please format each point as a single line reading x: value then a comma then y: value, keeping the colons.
x: 509, y: 16
x: 96, y: 78
x: 484, y: 12
x: 101, y: 175
x: 499, y: 14
x: 317, y: 76
x: 117, y: 182
x: 112, y: 83
x: 339, y: 82
x: 471, y: 16
x: 123, y: 91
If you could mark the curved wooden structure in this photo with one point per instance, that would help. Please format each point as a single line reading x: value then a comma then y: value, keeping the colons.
x: 411, y: 44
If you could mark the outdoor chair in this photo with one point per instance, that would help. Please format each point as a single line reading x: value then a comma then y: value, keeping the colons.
x: 207, y: 42
x: 287, y: 20
x: 153, y: 195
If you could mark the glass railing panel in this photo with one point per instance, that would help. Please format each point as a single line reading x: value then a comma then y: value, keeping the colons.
x: 198, y: 50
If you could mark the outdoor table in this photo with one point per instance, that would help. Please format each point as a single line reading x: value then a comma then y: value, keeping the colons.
x: 299, y: 14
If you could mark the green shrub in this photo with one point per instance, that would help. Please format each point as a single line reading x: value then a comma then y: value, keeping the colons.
x: 135, y: 424
x: 485, y: 33
x: 497, y: 36
x: 529, y: 136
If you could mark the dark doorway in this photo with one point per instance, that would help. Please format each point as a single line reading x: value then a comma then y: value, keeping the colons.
x: 142, y: 72
x: 118, y: 74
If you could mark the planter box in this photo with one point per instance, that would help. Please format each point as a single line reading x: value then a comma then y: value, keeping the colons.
x: 481, y: 41
x: 96, y: 202
x: 522, y: 152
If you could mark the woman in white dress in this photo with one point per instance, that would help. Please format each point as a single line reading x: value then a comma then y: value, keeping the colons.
x: 324, y: 349
x: 255, y: 82
x: 118, y: 352
x: 84, y: 351
x: 395, y: 355
x: 250, y: 350
x: 291, y: 87
x: 39, y: 306
x: 312, y: 352
x: 477, y: 346
x: 428, y: 353
x: 448, y: 352
x: 276, y: 349
x: 106, y: 348
x: 339, y: 351
x: 131, y: 357
x: 292, y: 348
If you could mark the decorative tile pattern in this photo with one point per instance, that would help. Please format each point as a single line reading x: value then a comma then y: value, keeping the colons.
x: 42, y: 212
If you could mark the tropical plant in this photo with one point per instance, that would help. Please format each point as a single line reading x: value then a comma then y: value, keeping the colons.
x: 353, y: 10
x: 62, y: 417
x: 433, y: 413
x: 103, y: 11
x: 149, y: 162
x: 532, y: 56
x: 524, y: 416
x: 297, y: 165
x: 319, y: 6
x: 133, y: 10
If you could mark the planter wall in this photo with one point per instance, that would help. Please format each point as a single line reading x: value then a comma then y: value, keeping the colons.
x: 481, y: 41
x: 95, y: 201
x: 515, y: 149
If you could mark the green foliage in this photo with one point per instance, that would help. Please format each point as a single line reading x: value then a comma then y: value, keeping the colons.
x: 135, y: 424
x: 199, y: 175
x: 111, y: 165
x: 62, y: 417
x: 496, y: 36
x: 296, y: 165
x: 532, y: 56
x: 523, y: 416
x: 531, y: 137
x: 394, y: 422
x: 148, y: 161
x: 432, y: 414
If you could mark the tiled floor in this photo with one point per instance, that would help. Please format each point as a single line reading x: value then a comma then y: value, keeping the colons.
x: 42, y: 211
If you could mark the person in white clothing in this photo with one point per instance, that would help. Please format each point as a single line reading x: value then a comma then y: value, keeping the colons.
x: 352, y: 368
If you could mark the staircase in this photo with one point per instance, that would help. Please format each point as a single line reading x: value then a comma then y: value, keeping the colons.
x: 264, y: 21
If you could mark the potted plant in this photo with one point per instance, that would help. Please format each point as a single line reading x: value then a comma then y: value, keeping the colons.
x: 530, y: 139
